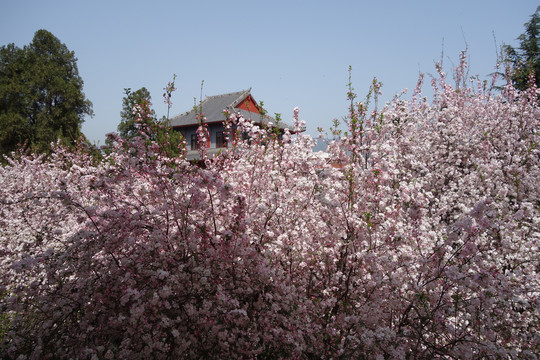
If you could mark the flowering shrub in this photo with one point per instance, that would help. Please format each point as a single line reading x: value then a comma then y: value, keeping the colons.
x: 422, y: 244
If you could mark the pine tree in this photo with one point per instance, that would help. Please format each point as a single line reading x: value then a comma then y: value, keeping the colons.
x: 128, y: 125
x: 41, y: 97
x: 526, y: 59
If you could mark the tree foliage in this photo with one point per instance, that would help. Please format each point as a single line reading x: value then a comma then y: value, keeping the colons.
x: 416, y: 236
x: 41, y: 97
x: 525, y: 59
x: 128, y: 128
x: 138, y: 118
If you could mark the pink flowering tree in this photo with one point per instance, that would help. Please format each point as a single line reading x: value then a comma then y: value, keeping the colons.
x: 422, y: 243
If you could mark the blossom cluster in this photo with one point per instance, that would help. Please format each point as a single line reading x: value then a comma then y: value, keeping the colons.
x: 423, y: 242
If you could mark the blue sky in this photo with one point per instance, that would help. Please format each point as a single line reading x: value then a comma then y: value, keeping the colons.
x: 291, y: 53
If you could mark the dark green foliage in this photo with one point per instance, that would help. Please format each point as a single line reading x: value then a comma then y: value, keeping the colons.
x: 526, y: 59
x: 128, y: 124
x: 133, y: 124
x: 41, y: 97
x: 171, y: 141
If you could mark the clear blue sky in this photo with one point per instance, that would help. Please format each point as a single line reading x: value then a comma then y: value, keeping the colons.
x: 291, y: 53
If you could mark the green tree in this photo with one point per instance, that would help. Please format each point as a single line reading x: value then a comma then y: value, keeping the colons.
x: 145, y: 120
x: 128, y: 124
x: 41, y: 97
x: 525, y: 60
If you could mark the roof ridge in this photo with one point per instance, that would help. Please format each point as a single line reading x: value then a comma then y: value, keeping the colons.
x: 239, y: 95
x: 229, y: 94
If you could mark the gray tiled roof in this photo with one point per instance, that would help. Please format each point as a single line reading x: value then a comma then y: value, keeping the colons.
x: 213, y: 107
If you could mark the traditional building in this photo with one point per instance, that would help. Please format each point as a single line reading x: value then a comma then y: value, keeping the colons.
x: 213, y: 108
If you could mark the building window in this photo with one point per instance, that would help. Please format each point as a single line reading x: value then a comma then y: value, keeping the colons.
x: 194, y: 142
x: 220, y: 139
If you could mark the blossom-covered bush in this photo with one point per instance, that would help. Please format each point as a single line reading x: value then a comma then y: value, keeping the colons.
x: 416, y: 236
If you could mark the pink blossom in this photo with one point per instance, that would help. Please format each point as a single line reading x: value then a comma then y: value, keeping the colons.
x: 415, y: 236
